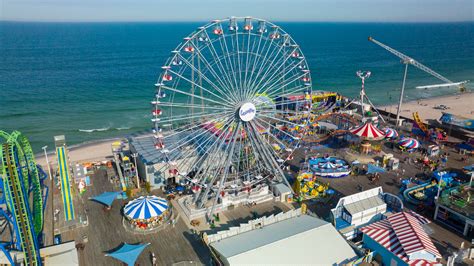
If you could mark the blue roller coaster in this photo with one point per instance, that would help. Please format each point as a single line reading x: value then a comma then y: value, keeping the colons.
x: 23, y: 198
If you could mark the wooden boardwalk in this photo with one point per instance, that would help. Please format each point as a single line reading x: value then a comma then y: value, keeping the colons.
x: 105, y: 232
x: 442, y: 237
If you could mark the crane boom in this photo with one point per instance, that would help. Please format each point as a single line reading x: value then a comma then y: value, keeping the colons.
x: 408, y: 60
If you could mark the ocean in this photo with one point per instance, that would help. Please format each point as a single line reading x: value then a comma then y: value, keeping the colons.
x: 92, y: 81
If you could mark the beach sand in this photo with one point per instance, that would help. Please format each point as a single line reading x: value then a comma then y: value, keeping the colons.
x: 97, y: 151
x: 459, y: 104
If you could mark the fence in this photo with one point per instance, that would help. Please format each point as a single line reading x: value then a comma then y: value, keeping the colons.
x: 251, y: 225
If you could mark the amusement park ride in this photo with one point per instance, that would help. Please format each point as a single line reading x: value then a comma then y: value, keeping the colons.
x: 23, y: 198
x: 410, y: 61
x: 217, y: 92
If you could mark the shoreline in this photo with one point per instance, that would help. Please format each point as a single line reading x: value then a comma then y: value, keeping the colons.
x: 460, y: 104
x: 100, y: 149
x: 95, y: 150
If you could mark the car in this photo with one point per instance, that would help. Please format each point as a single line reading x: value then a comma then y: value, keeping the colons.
x: 441, y: 107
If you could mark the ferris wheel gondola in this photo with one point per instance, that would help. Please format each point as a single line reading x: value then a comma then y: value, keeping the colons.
x: 217, y: 99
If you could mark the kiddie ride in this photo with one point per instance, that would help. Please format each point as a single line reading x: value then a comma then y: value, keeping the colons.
x: 425, y: 193
x: 436, y: 135
x: 307, y: 187
x: 330, y: 167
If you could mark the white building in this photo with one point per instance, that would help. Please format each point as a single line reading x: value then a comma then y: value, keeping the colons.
x: 294, y: 240
x: 361, y: 208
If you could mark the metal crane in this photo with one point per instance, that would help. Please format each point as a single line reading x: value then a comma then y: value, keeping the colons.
x: 410, y: 61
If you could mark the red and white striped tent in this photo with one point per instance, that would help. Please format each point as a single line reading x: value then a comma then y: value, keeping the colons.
x: 368, y: 131
x: 402, y: 234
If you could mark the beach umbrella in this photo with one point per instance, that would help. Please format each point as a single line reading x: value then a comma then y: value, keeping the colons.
x: 128, y: 253
x: 145, y: 207
x: 390, y: 133
x: 106, y: 198
x: 368, y: 131
x: 409, y: 143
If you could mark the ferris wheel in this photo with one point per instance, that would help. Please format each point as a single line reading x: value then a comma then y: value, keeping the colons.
x: 230, y: 107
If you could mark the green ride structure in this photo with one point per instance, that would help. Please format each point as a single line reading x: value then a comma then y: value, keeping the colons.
x: 24, y: 196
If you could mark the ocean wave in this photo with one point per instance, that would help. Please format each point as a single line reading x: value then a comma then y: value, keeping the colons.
x: 94, y: 130
x: 123, y: 128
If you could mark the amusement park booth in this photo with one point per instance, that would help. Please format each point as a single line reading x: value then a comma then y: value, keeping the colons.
x: 361, y: 208
x: 282, y: 239
x: 400, y: 240
x: 282, y: 192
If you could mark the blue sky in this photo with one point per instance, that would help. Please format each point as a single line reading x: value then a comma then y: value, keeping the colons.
x: 205, y: 10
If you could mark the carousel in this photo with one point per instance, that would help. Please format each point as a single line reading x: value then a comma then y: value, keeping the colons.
x: 367, y: 132
x: 146, y: 213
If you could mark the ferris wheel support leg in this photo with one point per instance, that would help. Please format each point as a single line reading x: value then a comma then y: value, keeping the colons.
x: 275, y: 165
x: 202, y: 198
x: 227, y: 164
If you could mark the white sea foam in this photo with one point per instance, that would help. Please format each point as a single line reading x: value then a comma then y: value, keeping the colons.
x: 94, y: 130
x: 123, y: 128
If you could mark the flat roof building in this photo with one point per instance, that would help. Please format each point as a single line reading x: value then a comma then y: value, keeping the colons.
x: 293, y: 241
x: 354, y: 211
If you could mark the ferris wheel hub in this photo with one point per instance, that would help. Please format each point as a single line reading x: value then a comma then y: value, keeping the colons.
x: 247, y: 111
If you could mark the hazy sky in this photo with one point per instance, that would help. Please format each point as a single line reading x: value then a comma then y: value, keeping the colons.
x: 205, y: 10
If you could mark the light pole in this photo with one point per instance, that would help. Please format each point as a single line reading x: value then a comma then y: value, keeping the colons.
x: 362, y: 75
x: 47, y: 162
x: 399, y: 109
x: 135, y: 155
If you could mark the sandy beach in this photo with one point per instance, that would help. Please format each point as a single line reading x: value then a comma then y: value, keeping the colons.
x: 96, y: 151
x: 459, y: 104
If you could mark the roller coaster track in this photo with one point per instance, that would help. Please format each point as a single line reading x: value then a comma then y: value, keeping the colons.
x: 19, y: 203
x: 311, y: 139
x: 30, y: 174
x: 339, y: 115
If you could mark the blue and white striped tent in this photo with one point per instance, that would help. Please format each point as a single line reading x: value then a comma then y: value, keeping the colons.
x: 145, y: 207
x: 328, y: 165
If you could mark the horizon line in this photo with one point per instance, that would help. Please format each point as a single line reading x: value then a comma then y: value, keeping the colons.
x: 207, y: 21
